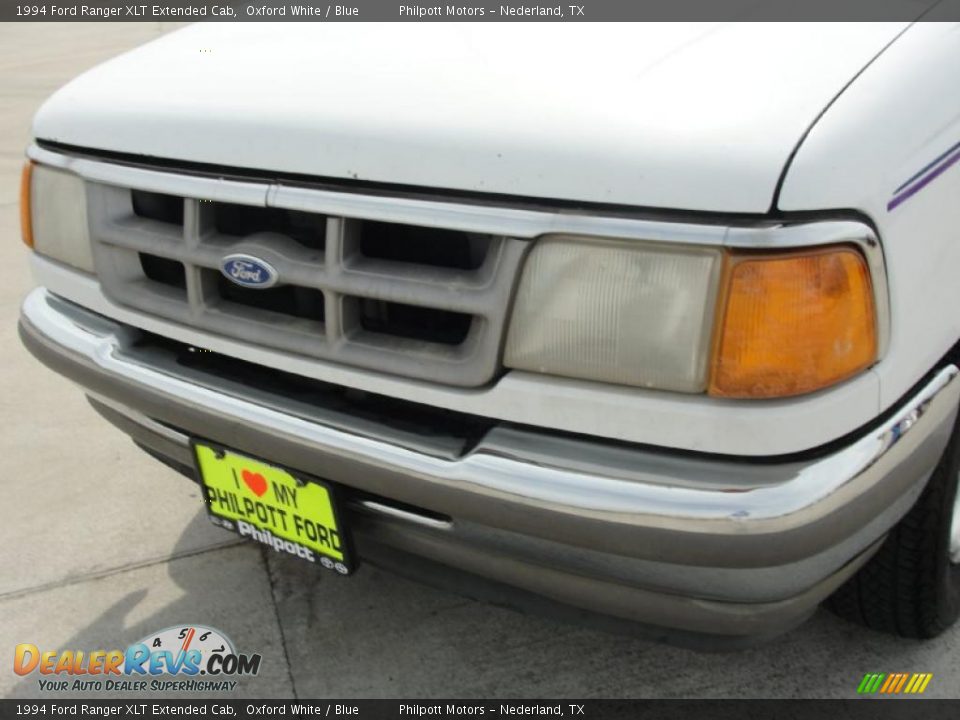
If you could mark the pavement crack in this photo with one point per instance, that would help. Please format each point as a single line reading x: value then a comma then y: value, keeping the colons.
x: 87, y: 577
x: 271, y: 580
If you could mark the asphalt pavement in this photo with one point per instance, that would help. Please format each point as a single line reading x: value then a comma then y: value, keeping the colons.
x: 100, y: 545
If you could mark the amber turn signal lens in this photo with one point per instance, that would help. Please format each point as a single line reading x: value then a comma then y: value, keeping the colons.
x: 26, y: 224
x: 791, y: 324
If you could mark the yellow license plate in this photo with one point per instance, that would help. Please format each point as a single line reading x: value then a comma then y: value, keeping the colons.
x: 270, y: 505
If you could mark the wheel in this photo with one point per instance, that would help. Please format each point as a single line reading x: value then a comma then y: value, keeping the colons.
x: 911, y: 587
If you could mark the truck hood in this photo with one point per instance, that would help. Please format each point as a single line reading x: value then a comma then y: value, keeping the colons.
x: 687, y: 116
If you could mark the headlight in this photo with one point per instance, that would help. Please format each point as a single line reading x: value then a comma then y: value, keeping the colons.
x: 620, y: 312
x: 53, y: 215
x: 732, y: 323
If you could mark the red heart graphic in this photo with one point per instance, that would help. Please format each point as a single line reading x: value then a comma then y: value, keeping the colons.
x: 255, y: 481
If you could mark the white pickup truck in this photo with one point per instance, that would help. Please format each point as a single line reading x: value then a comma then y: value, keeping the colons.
x: 651, y: 322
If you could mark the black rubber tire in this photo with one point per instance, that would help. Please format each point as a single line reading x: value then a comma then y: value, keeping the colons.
x: 910, y: 588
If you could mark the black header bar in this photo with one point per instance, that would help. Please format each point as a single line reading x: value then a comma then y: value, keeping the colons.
x: 478, y: 10
x: 863, y: 709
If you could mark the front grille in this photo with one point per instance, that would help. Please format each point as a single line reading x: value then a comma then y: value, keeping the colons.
x: 423, y: 302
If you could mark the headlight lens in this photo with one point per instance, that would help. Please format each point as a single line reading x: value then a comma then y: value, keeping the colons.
x: 57, y: 216
x: 620, y: 312
x: 737, y: 324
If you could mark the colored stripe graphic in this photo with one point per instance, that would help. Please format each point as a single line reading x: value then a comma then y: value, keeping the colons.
x: 891, y: 681
x: 928, y: 166
x: 894, y: 683
x: 870, y: 683
x: 923, y: 178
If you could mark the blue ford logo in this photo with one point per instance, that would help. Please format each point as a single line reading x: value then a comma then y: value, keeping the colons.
x: 249, y: 271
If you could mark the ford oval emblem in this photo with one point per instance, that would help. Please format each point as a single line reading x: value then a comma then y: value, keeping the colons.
x: 249, y: 271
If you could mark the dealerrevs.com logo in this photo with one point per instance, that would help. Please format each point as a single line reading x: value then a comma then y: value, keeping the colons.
x: 191, y: 658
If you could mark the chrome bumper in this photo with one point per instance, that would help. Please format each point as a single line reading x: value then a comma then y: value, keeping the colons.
x: 701, y: 545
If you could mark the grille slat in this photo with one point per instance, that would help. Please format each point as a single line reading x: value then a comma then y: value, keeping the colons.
x: 138, y: 233
x: 424, y: 302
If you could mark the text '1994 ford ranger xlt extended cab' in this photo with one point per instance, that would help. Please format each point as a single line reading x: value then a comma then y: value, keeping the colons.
x: 657, y: 323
